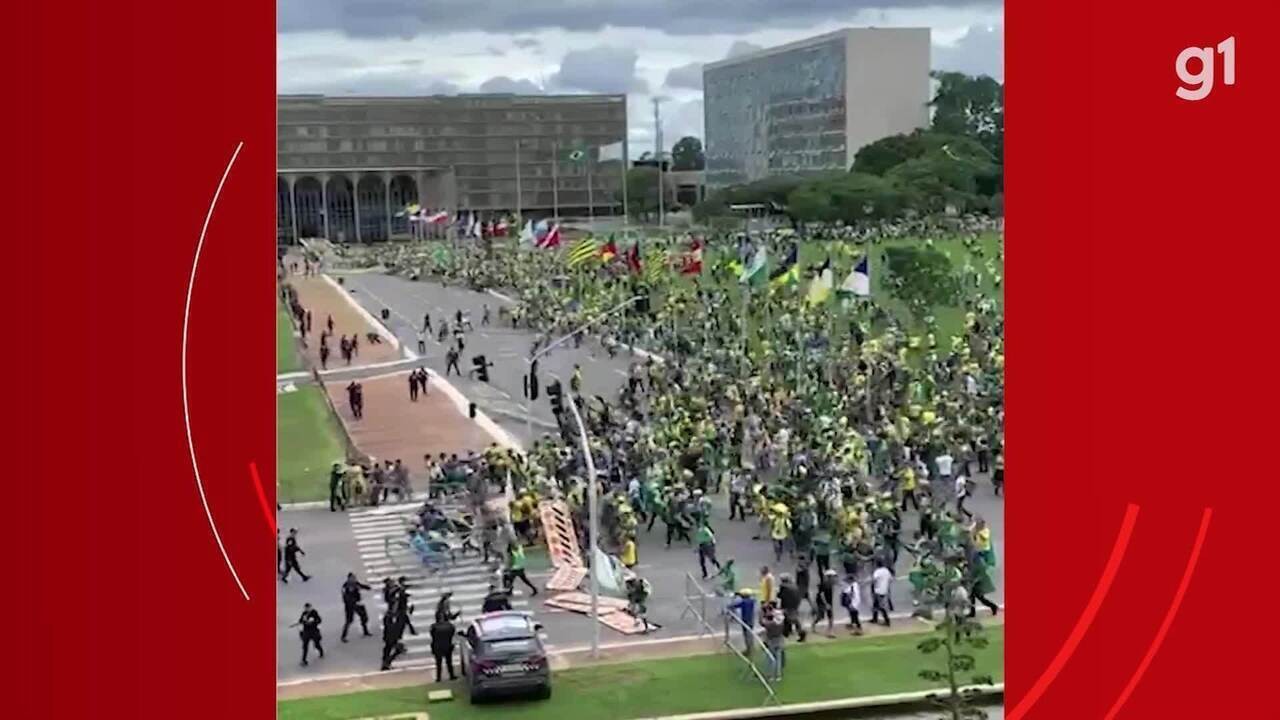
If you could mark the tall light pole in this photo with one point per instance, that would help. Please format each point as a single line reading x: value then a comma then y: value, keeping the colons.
x: 519, y: 196
x: 535, y: 356
x: 657, y: 151
x: 594, y: 524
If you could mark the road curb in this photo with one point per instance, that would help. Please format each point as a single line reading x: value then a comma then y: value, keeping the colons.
x: 374, y: 322
x: 877, y: 702
x: 460, y: 401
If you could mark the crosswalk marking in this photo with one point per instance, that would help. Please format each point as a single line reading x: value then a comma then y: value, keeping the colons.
x: 467, y: 577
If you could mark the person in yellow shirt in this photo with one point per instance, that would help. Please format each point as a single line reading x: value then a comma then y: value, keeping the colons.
x: 768, y: 586
x: 780, y: 529
x: 909, y: 489
x: 629, y: 556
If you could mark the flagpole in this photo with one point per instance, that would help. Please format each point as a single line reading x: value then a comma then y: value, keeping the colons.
x: 591, y: 212
x: 555, y: 181
x: 519, y: 196
x: 626, y: 215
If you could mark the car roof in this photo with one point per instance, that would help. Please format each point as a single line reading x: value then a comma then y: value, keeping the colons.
x: 506, y: 624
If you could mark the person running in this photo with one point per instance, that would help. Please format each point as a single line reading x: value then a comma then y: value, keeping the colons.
x: 824, y: 602
x: 851, y: 600
x: 352, y: 605
x: 516, y: 568
x: 291, y: 552
x: 706, y: 542
x: 310, y: 633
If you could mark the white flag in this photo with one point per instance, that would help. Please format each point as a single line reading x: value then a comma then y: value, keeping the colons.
x: 608, y: 572
x: 858, y: 282
x: 610, y: 152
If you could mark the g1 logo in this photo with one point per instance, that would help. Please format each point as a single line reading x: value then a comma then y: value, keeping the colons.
x: 1200, y: 84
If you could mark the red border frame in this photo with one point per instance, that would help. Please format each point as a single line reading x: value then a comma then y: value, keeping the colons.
x: 1139, y: 287
x: 123, y: 119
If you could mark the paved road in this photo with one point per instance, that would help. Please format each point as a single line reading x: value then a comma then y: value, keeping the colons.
x: 503, y: 397
x: 357, y: 541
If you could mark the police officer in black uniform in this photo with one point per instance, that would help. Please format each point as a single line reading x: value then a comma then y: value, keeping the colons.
x: 291, y: 553
x: 352, y: 606
x: 310, y: 633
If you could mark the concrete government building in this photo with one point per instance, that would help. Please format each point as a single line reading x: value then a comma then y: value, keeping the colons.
x: 346, y: 165
x: 809, y: 106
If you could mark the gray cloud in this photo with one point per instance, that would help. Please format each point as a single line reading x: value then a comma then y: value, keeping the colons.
x: 504, y: 84
x: 742, y: 47
x: 408, y: 18
x: 689, y: 76
x: 599, y: 69
x: 389, y: 81
x: 979, y: 52
x: 527, y: 43
x: 686, y: 76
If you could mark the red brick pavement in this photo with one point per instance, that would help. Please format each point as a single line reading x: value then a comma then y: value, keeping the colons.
x: 323, y: 299
x: 395, y: 427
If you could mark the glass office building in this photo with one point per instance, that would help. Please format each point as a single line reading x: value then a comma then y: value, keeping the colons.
x: 808, y: 106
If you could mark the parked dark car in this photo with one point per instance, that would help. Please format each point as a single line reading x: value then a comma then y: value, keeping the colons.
x: 503, y: 655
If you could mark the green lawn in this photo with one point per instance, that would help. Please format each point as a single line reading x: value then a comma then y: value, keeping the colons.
x: 286, y: 346
x: 825, y: 671
x: 308, y: 441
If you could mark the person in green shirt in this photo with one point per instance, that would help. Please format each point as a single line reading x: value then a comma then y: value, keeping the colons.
x: 727, y: 578
x: 515, y: 568
x: 706, y: 542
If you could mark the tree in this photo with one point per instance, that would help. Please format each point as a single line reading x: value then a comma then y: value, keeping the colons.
x: 642, y: 193
x: 921, y: 278
x: 973, y: 107
x: 848, y: 197
x: 687, y: 154
x: 946, y: 570
x: 887, y: 153
x: 937, y: 180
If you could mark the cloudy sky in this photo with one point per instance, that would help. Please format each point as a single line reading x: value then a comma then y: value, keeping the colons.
x: 646, y: 48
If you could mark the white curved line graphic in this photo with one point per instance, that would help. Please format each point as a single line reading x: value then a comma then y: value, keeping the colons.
x: 186, y: 411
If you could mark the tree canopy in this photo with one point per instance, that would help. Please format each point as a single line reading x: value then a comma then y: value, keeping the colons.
x: 687, y: 154
x: 956, y: 163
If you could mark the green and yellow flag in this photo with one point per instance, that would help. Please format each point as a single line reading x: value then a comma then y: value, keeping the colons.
x: 821, y: 286
x: 583, y: 252
x: 788, y: 271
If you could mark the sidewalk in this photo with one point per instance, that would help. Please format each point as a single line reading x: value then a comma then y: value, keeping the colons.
x: 395, y: 427
x: 323, y: 297
x: 610, y: 654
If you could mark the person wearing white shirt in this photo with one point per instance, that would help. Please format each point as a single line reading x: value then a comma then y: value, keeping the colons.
x: 944, y: 462
x: 851, y: 599
x: 881, y: 580
x: 962, y: 493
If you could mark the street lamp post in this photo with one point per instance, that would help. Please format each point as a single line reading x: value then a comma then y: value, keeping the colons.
x: 534, y: 357
x: 594, y: 525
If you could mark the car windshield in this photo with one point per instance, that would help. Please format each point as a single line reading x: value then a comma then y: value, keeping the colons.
x: 513, y: 646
